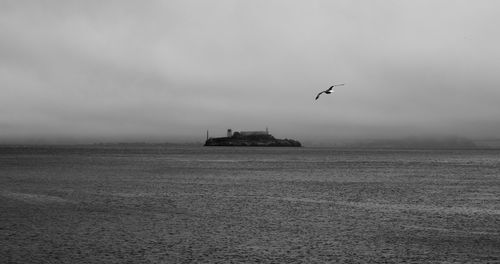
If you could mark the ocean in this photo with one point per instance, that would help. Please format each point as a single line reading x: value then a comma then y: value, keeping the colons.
x: 189, y: 204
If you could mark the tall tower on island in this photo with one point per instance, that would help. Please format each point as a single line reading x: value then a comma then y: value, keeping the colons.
x: 229, y: 133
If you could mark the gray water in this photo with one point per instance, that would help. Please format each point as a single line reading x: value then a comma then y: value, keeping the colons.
x: 160, y: 204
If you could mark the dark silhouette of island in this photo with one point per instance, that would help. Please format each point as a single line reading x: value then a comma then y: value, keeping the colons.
x: 251, y: 139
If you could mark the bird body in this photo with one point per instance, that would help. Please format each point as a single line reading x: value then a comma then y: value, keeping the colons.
x: 329, y: 90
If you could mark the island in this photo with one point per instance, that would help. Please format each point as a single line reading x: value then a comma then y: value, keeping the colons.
x: 251, y: 139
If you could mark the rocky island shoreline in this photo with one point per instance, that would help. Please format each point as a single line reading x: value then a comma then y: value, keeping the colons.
x: 251, y: 139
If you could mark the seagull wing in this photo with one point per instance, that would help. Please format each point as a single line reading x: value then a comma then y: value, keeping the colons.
x: 329, y: 90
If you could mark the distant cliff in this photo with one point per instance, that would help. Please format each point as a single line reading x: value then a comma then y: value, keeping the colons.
x: 239, y: 140
x: 450, y: 142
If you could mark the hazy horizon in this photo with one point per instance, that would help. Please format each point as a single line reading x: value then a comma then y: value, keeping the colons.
x: 168, y: 71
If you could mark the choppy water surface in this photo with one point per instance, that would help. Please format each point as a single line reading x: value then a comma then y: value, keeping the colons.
x: 193, y: 204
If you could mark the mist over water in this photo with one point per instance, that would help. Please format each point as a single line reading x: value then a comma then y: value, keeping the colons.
x: 104, y: 107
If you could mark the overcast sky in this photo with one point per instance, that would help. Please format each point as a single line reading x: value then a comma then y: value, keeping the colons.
x: 169, y: 70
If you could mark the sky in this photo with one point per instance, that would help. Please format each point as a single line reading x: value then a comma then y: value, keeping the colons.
x: 154, y: 71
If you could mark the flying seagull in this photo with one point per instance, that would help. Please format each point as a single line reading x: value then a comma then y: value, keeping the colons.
x: 329, y: 90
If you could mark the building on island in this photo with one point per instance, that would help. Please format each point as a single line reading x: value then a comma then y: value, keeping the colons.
x: 250, y: 138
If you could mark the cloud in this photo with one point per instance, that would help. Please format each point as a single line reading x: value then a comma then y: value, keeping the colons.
x: 169, y: 70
